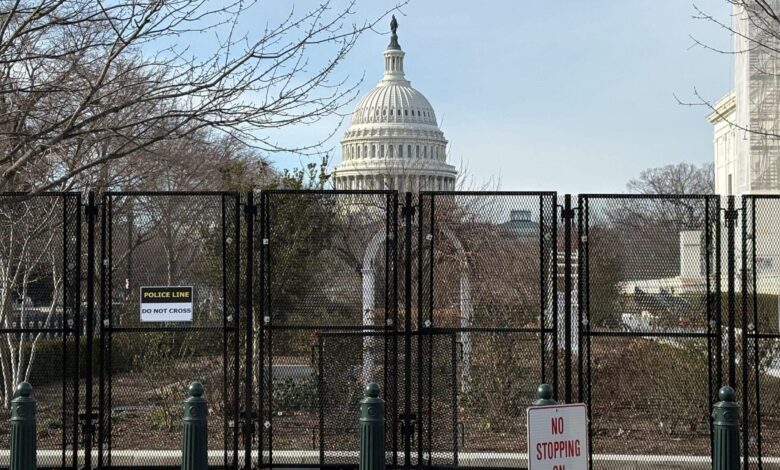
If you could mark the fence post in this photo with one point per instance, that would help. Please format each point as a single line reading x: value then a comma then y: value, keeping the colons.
x: 372, y: 429
x: 194, y: 452
x: 725, y: 445
x: 544, y: 395
x: 23, y: 433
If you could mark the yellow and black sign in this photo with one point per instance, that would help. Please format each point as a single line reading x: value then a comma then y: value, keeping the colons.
x: 166, y: 304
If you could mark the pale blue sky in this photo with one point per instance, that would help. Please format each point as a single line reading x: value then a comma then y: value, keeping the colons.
x: 568, y: 95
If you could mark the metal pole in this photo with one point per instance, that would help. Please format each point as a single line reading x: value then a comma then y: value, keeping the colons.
x: 746, y: 328
x: 23, y: 433
x: 731, y: 217
x: 407, y: 426
x: 725, y: 446
x: 91, y: 210
x: 568, y: 215
x: 194, y: 452
x: 372, y: 429
x: 544, y: 395
x: 249, y: 219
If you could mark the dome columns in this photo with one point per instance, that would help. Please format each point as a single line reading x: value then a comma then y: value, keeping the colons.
x: 401, y: 182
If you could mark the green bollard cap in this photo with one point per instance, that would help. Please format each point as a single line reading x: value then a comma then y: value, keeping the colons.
x: 371, y: 390
x: 544, y: 392
x: 544, y: 395
x: 195, y: 389
x: 24, y: 389
x: 727, y: 393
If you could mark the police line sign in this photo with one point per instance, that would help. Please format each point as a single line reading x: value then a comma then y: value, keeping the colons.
x: 558, y: 437
x: 166, y: 304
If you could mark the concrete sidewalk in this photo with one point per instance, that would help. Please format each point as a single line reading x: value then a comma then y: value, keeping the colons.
x: 172, y: 458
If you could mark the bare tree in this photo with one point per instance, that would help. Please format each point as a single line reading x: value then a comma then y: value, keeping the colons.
x: 27, y: 257
x: 680, y: 178
x: 79, y: 86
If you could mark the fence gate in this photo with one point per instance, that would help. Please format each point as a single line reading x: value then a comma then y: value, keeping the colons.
x: 486, y: 324
x: 343, y: 358
x: 649, y: 297
x: 759, y: 327
x: 40, y: 317
x: 328, y: 322
x: 188, y: 240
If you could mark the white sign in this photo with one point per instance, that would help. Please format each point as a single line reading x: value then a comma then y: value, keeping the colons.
x: 558, y: 437
x: 166, y: 304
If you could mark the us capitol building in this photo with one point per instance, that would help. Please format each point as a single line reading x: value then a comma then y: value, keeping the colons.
x: 394, y: 141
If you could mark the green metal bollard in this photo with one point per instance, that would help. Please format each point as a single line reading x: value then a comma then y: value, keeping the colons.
x: 23, y: 433
x: 194, y: 447
x: 725, y: 444
x: 544, y: 393
x: 372, y: 429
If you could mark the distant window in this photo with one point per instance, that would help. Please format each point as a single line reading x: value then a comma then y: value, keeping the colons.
x: 406, y: 112
x: 730, y: 187
x: 399, y: 112
x: 412, y: 112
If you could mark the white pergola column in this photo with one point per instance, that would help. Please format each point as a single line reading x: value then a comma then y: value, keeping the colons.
x: 466, y: 314
x: 368, y: 320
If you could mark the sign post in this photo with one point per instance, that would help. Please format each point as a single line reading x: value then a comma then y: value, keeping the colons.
x: 558, y: 437
x: 166, y: 304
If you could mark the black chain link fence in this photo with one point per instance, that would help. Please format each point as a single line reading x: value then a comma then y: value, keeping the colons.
x: 40, y: 317
x: 758, y: 333
x: 153, y: 240
x: 487, y: 277
x: 328, y: 321
x: 455, y: 303
x: 649, y: 326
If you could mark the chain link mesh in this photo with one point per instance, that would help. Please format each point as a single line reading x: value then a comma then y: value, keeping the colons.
x: 40, y: 316
x: 460, y: 344
x: 649, y: 325
x: 169, y: 240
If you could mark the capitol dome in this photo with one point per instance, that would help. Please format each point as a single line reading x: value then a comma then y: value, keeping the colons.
x: 394, y: 140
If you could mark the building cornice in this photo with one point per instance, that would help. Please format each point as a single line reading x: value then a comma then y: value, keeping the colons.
x: 723, y: 107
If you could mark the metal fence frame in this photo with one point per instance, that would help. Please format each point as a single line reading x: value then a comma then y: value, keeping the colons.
x: 409, y: 355
x: 105, y: 331
x: 710, y: 226
x: 68, y: 327
x: 430, y: 229
x: 267, y: 309
x: 752, y: 325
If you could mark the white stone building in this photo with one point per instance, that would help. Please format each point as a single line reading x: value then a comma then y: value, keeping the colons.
x: 746, y: 126
x: 747, y: 120
x: 394, y: 140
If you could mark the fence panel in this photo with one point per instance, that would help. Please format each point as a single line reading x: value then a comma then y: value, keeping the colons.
x: 347, y: 358
x: 327, y: 265
x: 40, y: 318
x: 487, y: 274
x: 759, y: 330
x: 168, y: 239
x: 650, y: 327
